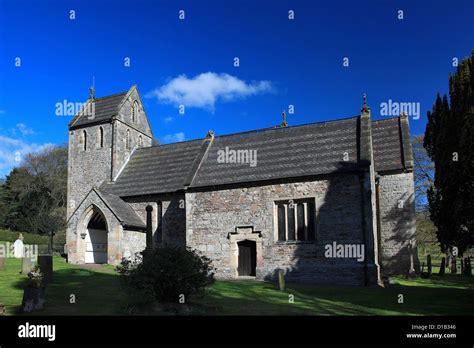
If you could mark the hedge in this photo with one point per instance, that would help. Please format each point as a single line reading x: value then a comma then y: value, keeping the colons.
x: 29, y: 238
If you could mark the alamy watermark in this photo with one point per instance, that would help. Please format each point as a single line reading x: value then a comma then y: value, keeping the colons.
x: 8, y: 250
x: 237, y: 156
x: 67, y: 108
x: 394, y: 108
x: 345, y: 251
x: 37, y: 331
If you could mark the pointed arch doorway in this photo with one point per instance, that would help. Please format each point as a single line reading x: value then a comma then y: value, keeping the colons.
x: 96, y: 239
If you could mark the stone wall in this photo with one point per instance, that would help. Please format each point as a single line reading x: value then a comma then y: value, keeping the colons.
x: 90, y: 167
x: 398, y: 223
x: 173, y: 219
x: 138, y: 128
x: 132, y: 243
x: 213, y: 216
x: 121, y: 152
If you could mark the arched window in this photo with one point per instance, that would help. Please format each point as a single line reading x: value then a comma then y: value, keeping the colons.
x: 84, y: 140
x: 135, y: 111
x: 140, y: 141
x: 101, y: 137
x: 127, y: 140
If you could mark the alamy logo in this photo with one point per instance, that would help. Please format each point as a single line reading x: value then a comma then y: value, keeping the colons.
x: 67, y: 108
x: 345, y: 251
x: 9, y: 250
x: 237, y: 156
x: 37, y: 331
x: 393, y: 108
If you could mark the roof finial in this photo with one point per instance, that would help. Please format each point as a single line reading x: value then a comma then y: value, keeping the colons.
x: 365, y: 108
x: 284, y: 123
x: 92, y: 89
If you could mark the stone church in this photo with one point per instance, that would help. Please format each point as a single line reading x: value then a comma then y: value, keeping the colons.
x: 328, y: 202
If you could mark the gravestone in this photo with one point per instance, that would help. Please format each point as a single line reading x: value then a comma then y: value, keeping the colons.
x: 18, y: 249
x: 454, y: 266
x: 442, y: 267
x: 26, y: 265
x: 33, y: 299
x: 45, y: 263
x: 466, y: 266
x: 281, y: 280
x: 428, y: 263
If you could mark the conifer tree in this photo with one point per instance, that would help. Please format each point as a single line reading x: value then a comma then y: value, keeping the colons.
x: 449, y: 141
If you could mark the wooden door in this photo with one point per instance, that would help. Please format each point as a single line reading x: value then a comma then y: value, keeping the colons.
x: 247, y: 258
x: 96, y: 246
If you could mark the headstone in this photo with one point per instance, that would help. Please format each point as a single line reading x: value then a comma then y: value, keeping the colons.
x: 2, y: 263
x: 454, y: 266
x: 412, y: 271
x: 442, y: 267
x: 281, y: 280
x: 46, y: 266
x: 33, y: 299
x: 18, y: 249
x: 428, y: 263
x: 26, y: 265
x: 466, y: 266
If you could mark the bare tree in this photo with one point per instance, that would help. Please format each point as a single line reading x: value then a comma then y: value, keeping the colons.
x: 423, y: 172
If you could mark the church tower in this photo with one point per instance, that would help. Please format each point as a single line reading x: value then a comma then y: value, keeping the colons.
x: 102, y: 137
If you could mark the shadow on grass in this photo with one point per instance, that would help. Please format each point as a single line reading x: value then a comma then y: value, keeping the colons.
x: 79, y: 291
x: 76, y: 291
x: 247, y: 298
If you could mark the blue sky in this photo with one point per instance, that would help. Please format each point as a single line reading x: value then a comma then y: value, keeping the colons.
x: 282, y: 62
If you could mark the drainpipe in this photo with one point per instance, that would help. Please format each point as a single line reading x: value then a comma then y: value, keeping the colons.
x: 379, y: 228
x: 149, y: 230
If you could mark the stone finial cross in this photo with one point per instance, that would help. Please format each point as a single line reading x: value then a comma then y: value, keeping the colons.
x: 365, y: 108
x: 284, y: 123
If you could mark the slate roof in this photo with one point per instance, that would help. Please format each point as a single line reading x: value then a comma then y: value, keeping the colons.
x: 283, y: 153
x: 287, y: 152
x: 122, y: 210
x: 386, y: 143
x: 157, y: 169
x: 105, y: 109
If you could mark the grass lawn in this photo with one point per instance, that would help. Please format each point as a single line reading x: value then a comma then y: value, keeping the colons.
x: 97, y: 292
x: 452, y: 295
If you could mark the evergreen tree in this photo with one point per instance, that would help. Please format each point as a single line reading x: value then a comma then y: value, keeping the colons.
x: 449, y: 141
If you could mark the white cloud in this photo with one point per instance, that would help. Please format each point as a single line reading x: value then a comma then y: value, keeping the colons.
x: 204, y: 90
x: 24, y: 130
x: 173, y: 138
x: 13, y: 151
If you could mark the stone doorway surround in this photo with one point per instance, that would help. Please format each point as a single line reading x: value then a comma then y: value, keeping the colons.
x: 244, y: 233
